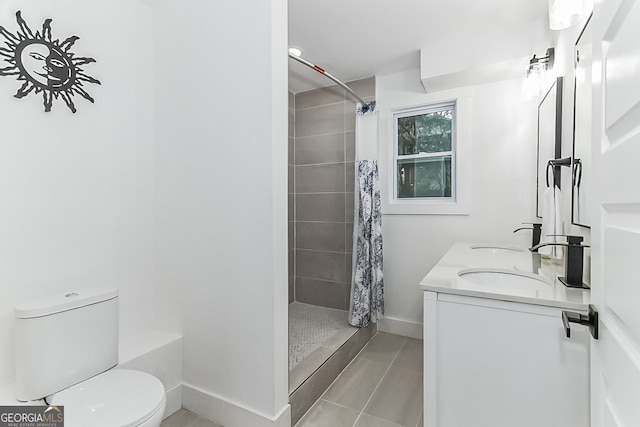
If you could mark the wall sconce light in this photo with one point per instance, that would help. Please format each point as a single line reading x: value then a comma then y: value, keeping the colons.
x: 564, y: 13
x: 537, y: 67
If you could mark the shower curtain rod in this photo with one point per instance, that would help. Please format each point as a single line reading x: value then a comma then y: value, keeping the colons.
x: 328, y: 75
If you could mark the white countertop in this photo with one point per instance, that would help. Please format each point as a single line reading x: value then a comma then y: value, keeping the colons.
x: 443, y: 278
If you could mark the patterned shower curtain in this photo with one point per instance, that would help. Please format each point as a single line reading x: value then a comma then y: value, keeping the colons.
x: 367, y: 284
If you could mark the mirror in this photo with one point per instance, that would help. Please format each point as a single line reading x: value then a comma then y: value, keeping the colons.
x: 582, y: 129
x: 549, y: 140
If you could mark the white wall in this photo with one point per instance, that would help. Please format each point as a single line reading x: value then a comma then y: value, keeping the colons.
x: 503, y: 159
x: 77, y: 190
x: 221, y: 107
x: 564, y: 43
x: 172, y: 187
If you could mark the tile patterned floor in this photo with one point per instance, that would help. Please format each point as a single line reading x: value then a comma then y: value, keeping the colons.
x: 315, y: 334
x: 184, y: 418
x: 312, y: 327
x: 382, y: 387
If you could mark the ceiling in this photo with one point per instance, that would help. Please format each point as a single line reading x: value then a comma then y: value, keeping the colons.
x: 353, y: 39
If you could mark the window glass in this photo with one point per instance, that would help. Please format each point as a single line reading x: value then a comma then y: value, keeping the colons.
x: 425, y: 152
x: 425, y: 133
x: 424, y: 177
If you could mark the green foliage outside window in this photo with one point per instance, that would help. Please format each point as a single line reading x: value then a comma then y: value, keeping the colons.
x: 429, y: 177
x: 425, y: 156
x: 425, y: 133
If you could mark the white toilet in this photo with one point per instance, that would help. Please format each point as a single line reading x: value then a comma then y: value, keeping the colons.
x: 66, y: 346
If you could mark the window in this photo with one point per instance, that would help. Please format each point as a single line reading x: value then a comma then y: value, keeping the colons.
x: 425, y: 153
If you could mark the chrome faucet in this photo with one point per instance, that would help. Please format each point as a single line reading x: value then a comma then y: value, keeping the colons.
x: 573, y: 260
x: 535, y: 236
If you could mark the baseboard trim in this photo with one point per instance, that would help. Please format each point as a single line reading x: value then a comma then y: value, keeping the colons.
x: 400, y: 327
x: 229, y: 413
x: 174, y: 400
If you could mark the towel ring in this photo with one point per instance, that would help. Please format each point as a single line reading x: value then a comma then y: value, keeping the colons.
x: 550, y: 166
x: 556, y: 164
x: 577, y: 172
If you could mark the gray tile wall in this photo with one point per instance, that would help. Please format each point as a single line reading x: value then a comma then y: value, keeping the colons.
x: 321, y: 173
x: 291, y: 201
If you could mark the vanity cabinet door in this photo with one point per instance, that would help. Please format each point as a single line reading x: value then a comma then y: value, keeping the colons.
x: 503, y: 364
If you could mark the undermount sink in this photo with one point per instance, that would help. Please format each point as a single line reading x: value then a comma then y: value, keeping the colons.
x: 503, y: 279
x: 497, y: 248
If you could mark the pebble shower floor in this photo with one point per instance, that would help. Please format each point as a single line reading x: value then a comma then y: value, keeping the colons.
x: 311, y: 326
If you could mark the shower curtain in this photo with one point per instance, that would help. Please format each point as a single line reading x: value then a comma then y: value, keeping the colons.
x: 367, y: 284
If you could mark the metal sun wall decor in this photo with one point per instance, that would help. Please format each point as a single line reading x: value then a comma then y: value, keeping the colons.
x: 45, y: 65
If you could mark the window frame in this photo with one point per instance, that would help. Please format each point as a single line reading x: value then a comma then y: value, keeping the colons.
x: 461, y: 204
x: 417, y: 111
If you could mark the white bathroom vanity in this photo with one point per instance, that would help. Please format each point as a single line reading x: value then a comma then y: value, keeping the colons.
x: 495, y: 348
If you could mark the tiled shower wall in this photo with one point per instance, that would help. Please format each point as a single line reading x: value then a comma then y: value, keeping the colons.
x: 291, y: 215
x: 321, y: 191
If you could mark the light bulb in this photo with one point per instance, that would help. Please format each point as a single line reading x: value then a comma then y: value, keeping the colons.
x: 564, y: 13
x: 531, y: 85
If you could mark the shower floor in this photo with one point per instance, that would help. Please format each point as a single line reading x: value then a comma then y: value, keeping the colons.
x: 315, y: 333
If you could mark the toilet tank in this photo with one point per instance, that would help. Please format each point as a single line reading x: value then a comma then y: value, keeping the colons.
x: 64, y: 339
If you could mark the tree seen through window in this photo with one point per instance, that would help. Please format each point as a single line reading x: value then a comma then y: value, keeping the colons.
x: 425, y: 153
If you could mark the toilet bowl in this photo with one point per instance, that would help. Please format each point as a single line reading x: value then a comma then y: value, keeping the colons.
x: 66, y: 351
x: 118, y: 397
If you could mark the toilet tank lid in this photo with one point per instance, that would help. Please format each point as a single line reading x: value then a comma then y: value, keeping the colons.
x: 64, y: 301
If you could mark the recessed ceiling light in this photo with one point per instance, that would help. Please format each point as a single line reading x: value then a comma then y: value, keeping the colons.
x: 295, y: 51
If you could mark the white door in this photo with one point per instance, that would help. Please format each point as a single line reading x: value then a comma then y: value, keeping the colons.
x: 615, y: 356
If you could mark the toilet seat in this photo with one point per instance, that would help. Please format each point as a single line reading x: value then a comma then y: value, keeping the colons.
x: 118, y: 397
